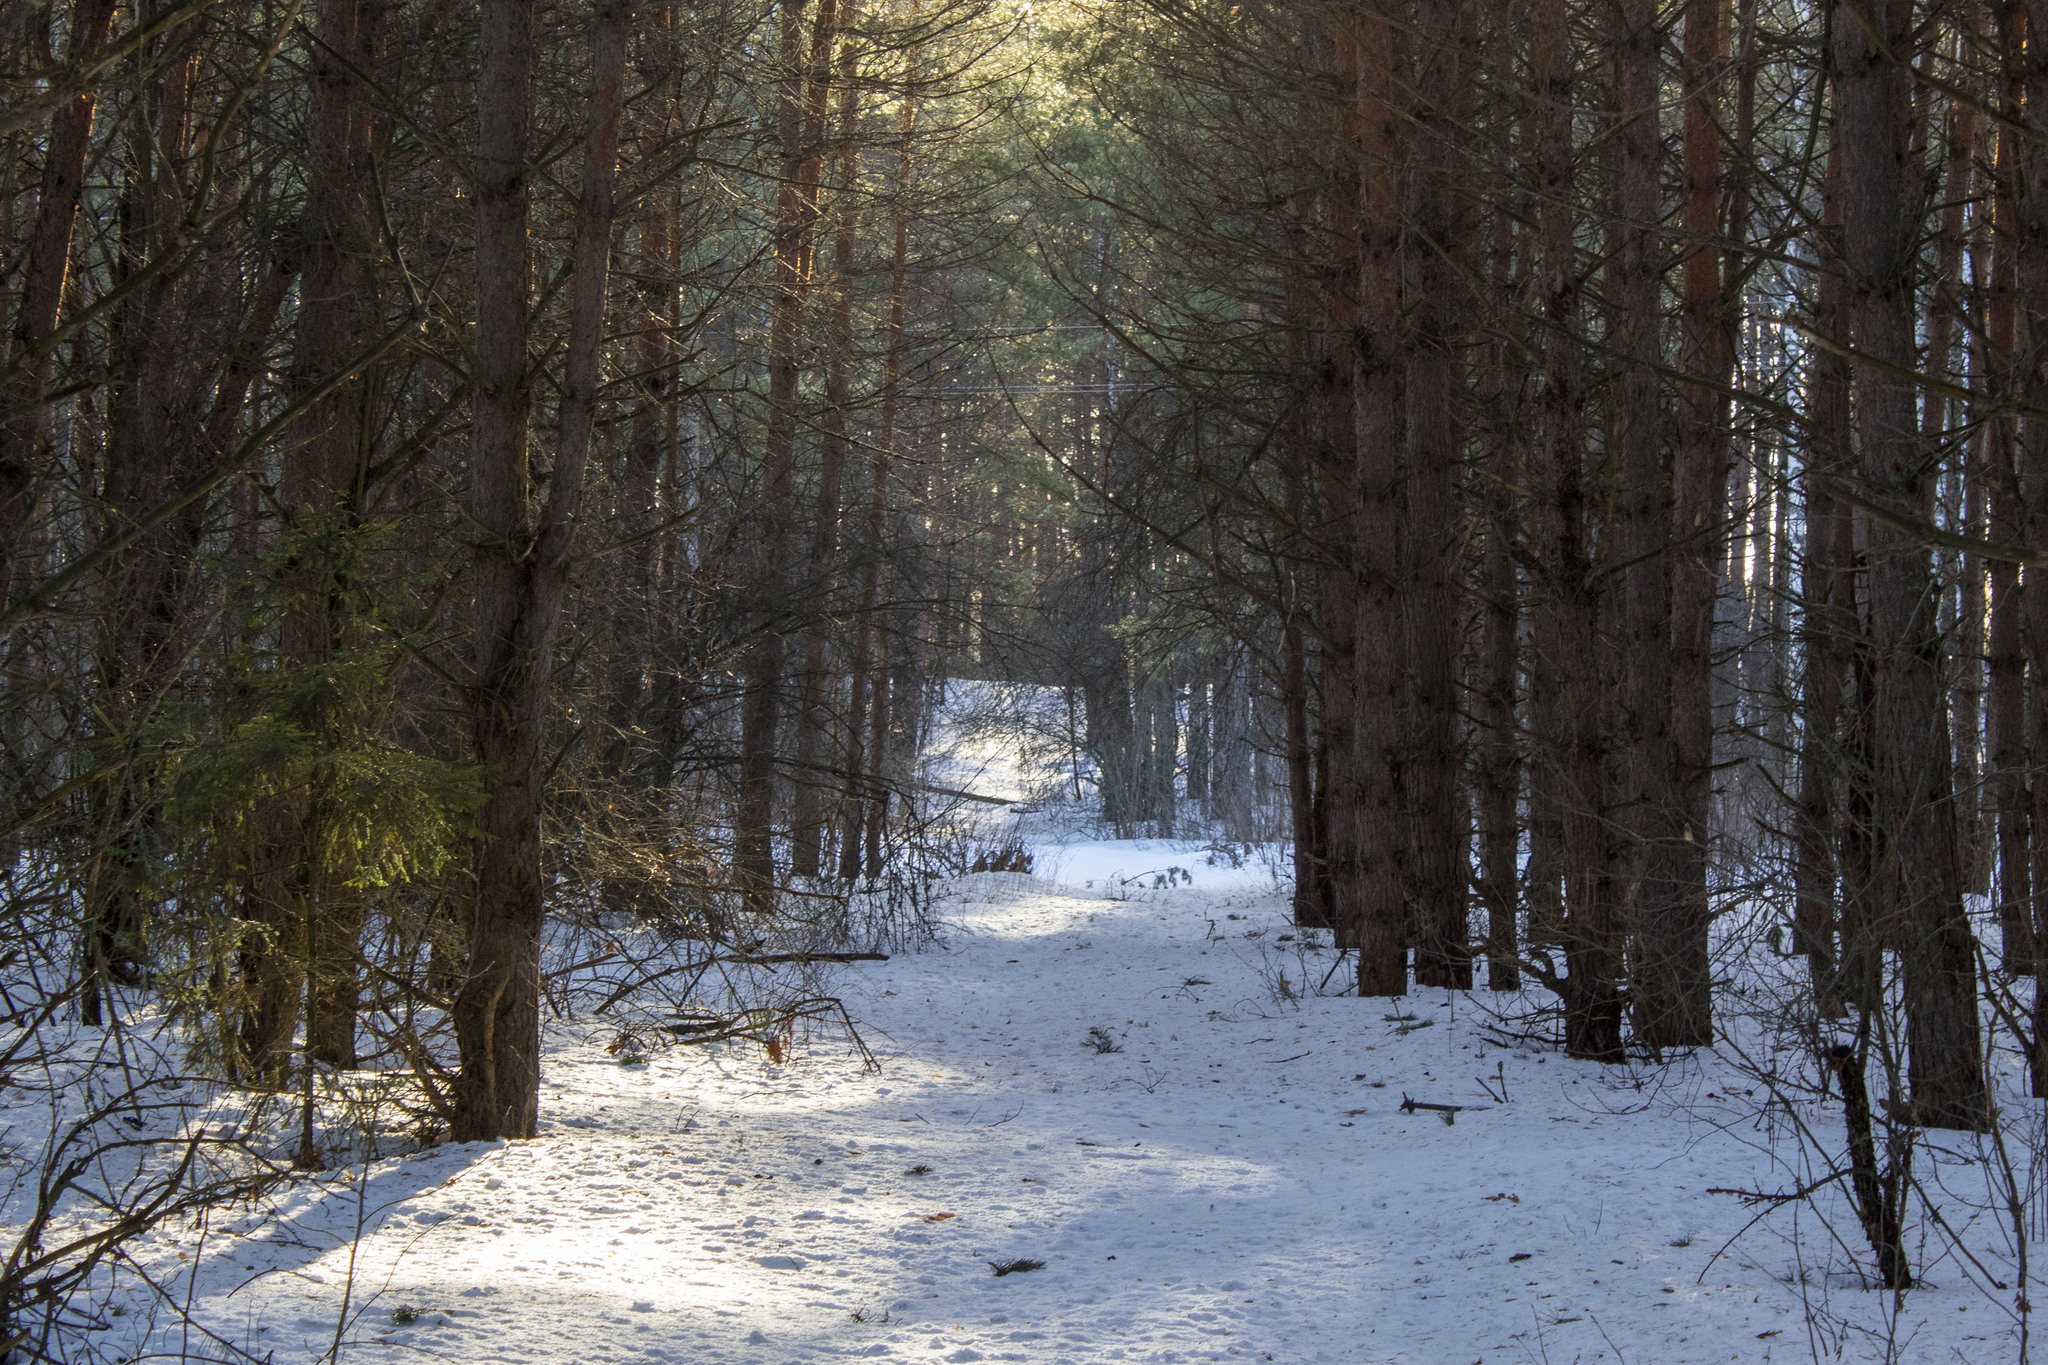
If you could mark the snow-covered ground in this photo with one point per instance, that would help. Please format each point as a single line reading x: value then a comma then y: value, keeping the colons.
x: 1237, y: 1182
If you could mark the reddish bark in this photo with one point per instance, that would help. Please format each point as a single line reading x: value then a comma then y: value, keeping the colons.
x: 768, y: 576
x: 44, y: 273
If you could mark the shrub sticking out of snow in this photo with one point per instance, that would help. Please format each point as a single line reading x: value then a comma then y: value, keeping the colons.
x: 1099, y: 1039
x: 1005, y: 853
x: 1016, y: 1267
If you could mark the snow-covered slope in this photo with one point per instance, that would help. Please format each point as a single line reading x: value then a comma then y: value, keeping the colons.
x: 1237, y: 1182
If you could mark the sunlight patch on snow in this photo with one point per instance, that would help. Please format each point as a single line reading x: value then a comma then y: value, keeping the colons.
x: 1111, y: 1080
x: 1235, y: 1179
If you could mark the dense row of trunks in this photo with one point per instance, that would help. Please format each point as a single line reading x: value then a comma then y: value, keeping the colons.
x: 405, y: 535
x: 1636, y: 518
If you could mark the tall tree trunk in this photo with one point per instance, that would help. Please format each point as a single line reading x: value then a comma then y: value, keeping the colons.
x: 523, y: 548
x: 148, y: 446
x: 1973, y: 776
x: 1569, y: 704
x: 1360, y: 463
x: 1942, y: 304
x: 1499, y: 775
x: 1368, y: 796
x: 1308, y: 906
x: 870, y: 680
x: 1829, y: 618
x: 898, y: 735
x: 1497, y: 739
x: 1675, y: 1005
x: 1231, y: 759
x: 1166, y: 750
x: 1300, y: 439
x: 2005, y: 652
x: 1917, y: 893
x: 767, y: 575
x: 629, y: 737
x: 24, y: 439
x: 323, y: 501
x: 806, y: 817
x: 1439, y: 871
x: 2029, y: 189
x: 1644, y: 586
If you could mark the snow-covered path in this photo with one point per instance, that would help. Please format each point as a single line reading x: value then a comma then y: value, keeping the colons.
x: 1238, y: 1182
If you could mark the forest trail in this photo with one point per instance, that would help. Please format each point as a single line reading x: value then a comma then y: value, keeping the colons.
x: 1237, y: 1182
x: 489, y: 488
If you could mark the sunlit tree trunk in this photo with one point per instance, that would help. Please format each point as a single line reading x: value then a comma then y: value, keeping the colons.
x: 523, y: 544
x: 632, y: 721
x: 867, y: 665
x: 323, y: 497
x: 768, y: 578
